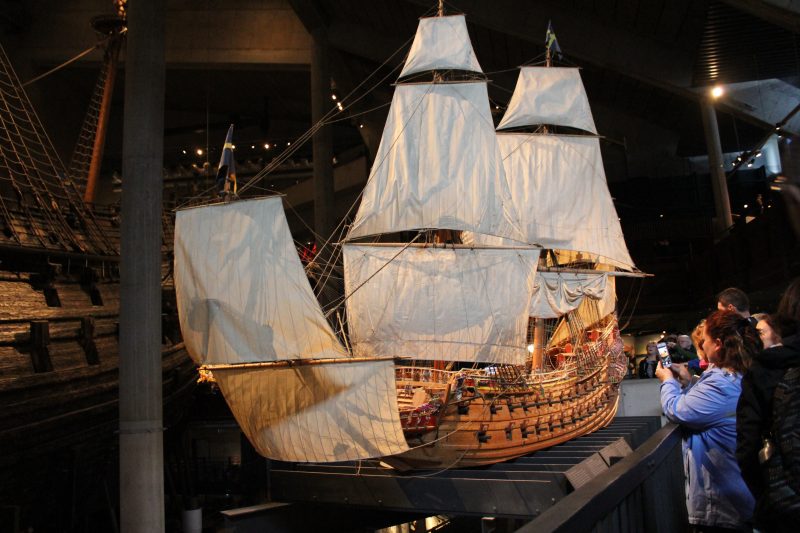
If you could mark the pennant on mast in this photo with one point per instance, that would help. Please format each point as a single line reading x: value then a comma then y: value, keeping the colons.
x: 226, y: 170
x: 550, y: 41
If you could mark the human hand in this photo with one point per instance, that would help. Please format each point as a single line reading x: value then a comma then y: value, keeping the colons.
x: 682, y: 372
x: 662, y: 373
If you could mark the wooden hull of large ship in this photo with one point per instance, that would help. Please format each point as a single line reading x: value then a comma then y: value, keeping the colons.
x: 74, y: 396
x: 484, y: 421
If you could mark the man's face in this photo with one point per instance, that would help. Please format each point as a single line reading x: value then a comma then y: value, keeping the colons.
x: 684, y: 342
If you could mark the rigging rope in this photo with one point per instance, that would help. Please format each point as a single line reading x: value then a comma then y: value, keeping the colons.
x: 68, y: 62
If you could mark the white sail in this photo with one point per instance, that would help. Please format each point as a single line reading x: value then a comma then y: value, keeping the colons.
x: 317, y: 412
x: 439, y: 304
x: 557, y: 293
x: 549, y: 95
x: 441, y: 43
x: 559, y: 187
x: 607, y: 304
x: 241, y: 290
x: 438, y: 166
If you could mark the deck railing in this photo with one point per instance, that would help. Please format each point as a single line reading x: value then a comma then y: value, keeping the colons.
x: 642, y: 492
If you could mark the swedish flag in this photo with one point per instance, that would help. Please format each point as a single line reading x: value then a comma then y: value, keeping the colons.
x: 550, y: 41
x: 226, y: 172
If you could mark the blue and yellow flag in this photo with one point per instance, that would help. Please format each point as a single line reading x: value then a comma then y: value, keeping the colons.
x: 550, y: 41
x: 226, y: 172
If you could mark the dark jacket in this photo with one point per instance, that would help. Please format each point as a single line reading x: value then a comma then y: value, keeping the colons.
x: 754, y: 412
x: 679, y: 355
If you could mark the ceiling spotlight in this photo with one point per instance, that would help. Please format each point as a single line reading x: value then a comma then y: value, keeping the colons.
x: 288, y: 143
x: 758, y: 154
x: 199, y: 151
x: 266, y: 146
x: 333, y: 97
x: 717, y: 91
x: 745, y: 206
x: 184, y: 152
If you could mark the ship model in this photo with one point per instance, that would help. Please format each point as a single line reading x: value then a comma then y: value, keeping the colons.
x: 477, y: 322
x: 59, y: 309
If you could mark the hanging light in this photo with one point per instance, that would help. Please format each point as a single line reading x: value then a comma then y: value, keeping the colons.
x: 717, y: 91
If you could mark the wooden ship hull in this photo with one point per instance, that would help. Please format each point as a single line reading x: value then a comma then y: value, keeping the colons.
x: 59, y: 365
x: 505, y: 414
x: 59, y: 313
x: 59, y: 386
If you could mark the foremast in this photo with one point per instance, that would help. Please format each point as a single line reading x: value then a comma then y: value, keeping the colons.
x: 552, y: 159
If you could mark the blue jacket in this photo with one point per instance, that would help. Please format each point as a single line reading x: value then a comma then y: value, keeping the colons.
x: 716, y: 494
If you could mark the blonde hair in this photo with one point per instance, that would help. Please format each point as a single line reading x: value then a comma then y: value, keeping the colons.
x: 697, y: 338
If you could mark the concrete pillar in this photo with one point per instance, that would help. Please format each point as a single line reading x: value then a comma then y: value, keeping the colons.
x: 719, y: 184
x: 140, y: 402
x: 772, y: 156
x: 321, y: 103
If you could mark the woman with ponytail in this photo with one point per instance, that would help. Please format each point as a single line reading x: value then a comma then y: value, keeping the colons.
x: 717, y: 498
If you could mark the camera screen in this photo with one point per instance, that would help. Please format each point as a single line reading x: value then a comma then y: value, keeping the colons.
x: 662, y: 349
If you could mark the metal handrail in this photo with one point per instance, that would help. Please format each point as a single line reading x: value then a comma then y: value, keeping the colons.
x: 591, y: 503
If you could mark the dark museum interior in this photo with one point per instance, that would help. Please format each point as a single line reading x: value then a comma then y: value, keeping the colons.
x: 687, y: 96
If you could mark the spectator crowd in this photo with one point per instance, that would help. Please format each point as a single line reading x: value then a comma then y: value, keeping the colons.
x: 733, y: 387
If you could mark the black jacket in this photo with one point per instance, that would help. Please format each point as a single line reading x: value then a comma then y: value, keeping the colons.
x: 754, y: 411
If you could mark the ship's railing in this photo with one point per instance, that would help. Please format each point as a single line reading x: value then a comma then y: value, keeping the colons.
x: 642, y: 492
x: 422, y: 374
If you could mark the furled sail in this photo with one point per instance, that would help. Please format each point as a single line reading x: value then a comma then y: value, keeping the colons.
x: 557, y: 293
x: 242, y: 293
x: 589, y: 312
x: 439, y: 304
x: 559, y: 187
x: 549, y: 95
x: 438, y: 166
x: 441, y: 43
x: 333, y: 412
